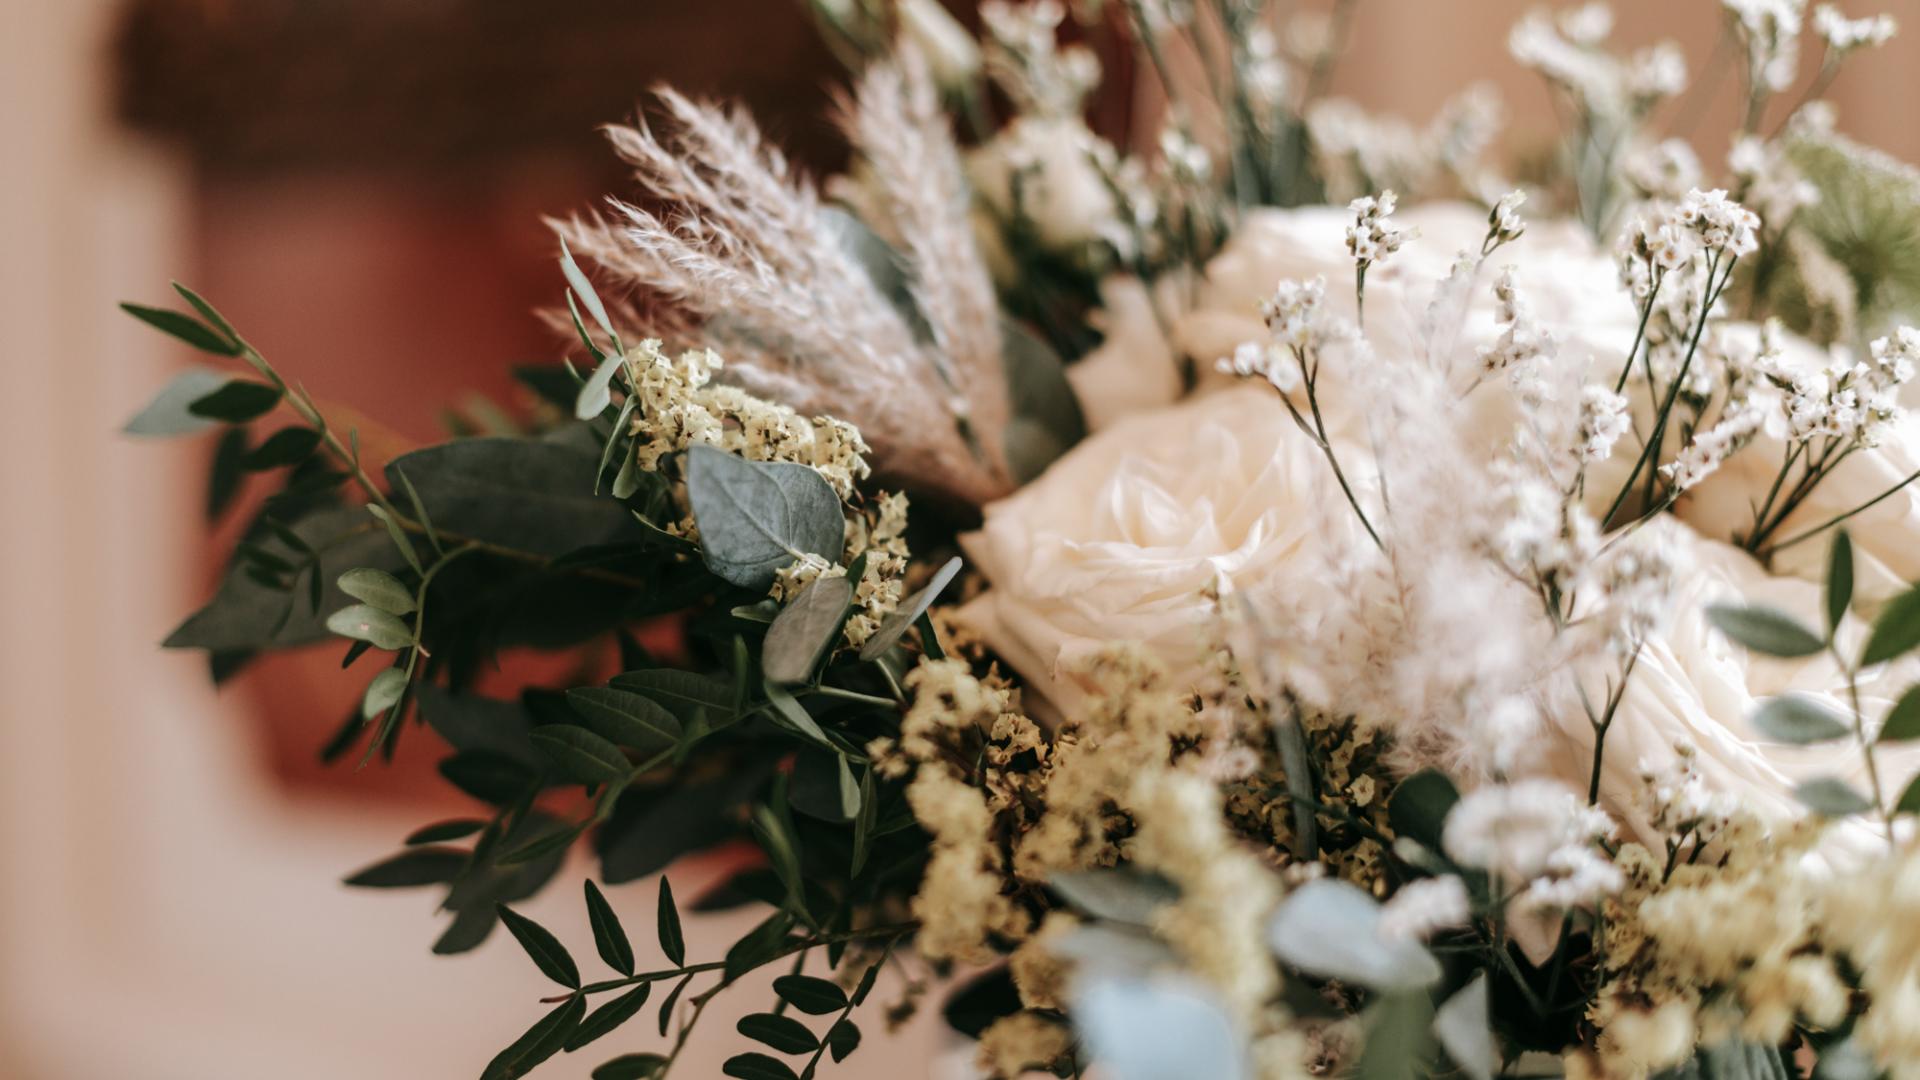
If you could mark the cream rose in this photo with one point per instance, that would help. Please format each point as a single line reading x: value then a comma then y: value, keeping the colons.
x: 1693, y: 684
x: 1121, y: 538
x: 1135, y: 367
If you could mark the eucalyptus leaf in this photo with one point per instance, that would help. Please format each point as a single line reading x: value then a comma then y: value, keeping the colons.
x: 577, y: 281
x: 1799, y: 719
x: 531, y: 495
x: 594, y: 394
x: 788, y: 712
x: 896, y: 623
x: 1159, y: 1029
x: 806, y: 629
x: 378, y: 588
x: 1419, y: 806
x: 757, y: 517
x: 167, y: 414
x: 1122, y: 895
x: 1765, y: 630
x: 1046, y: 420
x: 383, y: 692
x: 1464, y: 1027
x: 1330, y: 928
x: 364, y: 622
x: 1831, y: 797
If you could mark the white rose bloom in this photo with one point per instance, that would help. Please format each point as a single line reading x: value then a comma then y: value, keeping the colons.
x: 1135, y: 367
x: 1691, y: 684
x: 1121, y: 539
x: 1061, y: 186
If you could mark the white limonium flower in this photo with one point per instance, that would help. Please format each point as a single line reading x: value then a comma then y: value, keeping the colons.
x: 1588, y: 24
x: 1297, y: 318
x: 1705, y: 452
x: 1265, y: 360
x: 1844, y: 35
x: 1603, y: 419
x: 1720, y: 223
x: 1656, y: 73
x: 1663, y: 170
x: 1372, y: 237
x: 1504, y: 223
x: 1771, y: 29
x: 1523, y: 831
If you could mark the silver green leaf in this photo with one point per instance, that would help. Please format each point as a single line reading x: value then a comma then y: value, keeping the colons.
x: 1331, y: 929
x: 1157, y: 1029
x: 1465, y: 1031
x: 895, y: 624
x: 1765, y: 630
x: 379, y: 588
x: 756, y: 517
x: 1119, y: 895
x: 383, y: 692
x: 166, y: 415
x: 1799, y: 719
x: 806, y: 629
x: 364, y: 622
x: 1832, y: 797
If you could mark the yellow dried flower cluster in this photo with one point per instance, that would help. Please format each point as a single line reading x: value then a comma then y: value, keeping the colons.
x: 877, y: 531
x: 1022, y: 1041
x: 679, y: 405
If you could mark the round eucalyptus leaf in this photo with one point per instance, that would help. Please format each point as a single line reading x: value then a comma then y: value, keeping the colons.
x: 806, y: 629
x: 756, y: 517
x: 1330, y: 928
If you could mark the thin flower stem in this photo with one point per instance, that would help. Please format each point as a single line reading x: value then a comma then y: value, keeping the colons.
x: 1640, y: 333
x: 1318, y: 432
x: 1605, y: 723
x: 1766, y: 508
x: 1860, y: 735
x: 890, y: 930
x: 1837, y: 519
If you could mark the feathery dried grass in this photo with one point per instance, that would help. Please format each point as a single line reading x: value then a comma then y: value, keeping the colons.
x: 750, y: 267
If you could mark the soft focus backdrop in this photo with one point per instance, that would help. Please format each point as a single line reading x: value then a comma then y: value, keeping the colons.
x: 359, y: 185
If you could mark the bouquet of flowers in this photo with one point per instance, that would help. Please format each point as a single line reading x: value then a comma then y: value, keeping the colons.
x: 1222, y: 608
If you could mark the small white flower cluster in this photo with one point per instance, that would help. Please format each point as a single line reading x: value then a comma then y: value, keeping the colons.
x: 1719, y: 223
x: 1710, y: 448
x: 1662, y: 170
x: 1844, y: 35
x: 1638, y: 580
x: 1504, y: 223
x: 1522, y: 346
x: 1569, y: 52
x: 1603, y: 420
x: 1536, y: 833
x: 1265, y: 73
x: 1771, y: 31
x: 1846, y: 399
x: 1297, y: 318
x: 1678, y: 800
x: 1655, y: 74
x: 1371, y: 237
x: 1265, y: 360
x: 1024, y: 58
x: 1542, y: 534
x: 1768, y: 179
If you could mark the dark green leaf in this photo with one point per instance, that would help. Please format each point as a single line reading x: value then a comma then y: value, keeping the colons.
x: 1910, y: 799
x: 383, y: 693
x: 649, y: 829
x: 166, y: 415
x: 902, y: 617
x: 487, y: 775
x: 398, y: 535
x: 609, y: 1016
x: 225, y: 476
x: 477, y: 723
x: 184, y: 327
x: 608, y: 935
x: 813, y: 996
x: 1420, y: 805
x: 684, y: 693
x: 442, y: 831
x: 788, y: 712
x: 756, y: 517
x: 237, y: 402
x: 626, y: 718
x: 666, y: 1007
x: 553, y: 842
x: 548, y: 954
x: 843, y: 1038
x: 1765, y: 630
x: 1831, y: 797
x: 777, y: 839
x: 1046, y: 418
x: 1896, y: 631
x: 760, y: 945
x: 581, y: 754
x: 378, y: 588
x: 410, y: 869
x: 543, y: 1040
x: 288, y: 446
x: 1839, y: 589
x: 1799, y: 719
x: 806, y: 629
x: 1903, y: 720
x: 1399, y: 1039
x: 630, y: 1067
x: 783, y: 1033
x: 756, y: 1066
x: 364, y: 622
x: 672, y: 942
x: 214, y: 318
x: 531, y: 495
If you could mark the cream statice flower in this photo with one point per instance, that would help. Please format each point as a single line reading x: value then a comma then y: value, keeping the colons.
x: 1522, y: 831
x: 1771, y: 32
x: 1721, y: 224
x: 1424, y: 907
x: 1372, y: 237
x: 1603, y: 419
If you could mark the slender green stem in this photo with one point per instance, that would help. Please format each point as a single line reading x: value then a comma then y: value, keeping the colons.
x: 1640, y: 332
x: 1318, y: 433
x: 1837, y: 519
x: 1860, y: 735
x: 889, y: 930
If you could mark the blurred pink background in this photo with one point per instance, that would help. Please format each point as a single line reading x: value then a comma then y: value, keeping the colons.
x: 369, y: 214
